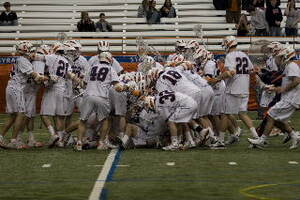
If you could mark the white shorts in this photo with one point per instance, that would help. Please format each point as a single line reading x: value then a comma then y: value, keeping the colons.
x: 217, y: 108
x: 99, y: 105
x: 54, y: 104
x: 30, y: 104
x: 70, y: 105
x: 184, y: 113
x: 207, y: 101
x: 234, y: 104
x: 118, y: 102
x: 15, y: 101
x: 282, y: 111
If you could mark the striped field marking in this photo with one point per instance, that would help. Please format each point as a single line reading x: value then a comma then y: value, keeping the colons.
x: 105, y: 174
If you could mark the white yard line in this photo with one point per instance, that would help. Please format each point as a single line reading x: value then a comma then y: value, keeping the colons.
x: 99, y: 184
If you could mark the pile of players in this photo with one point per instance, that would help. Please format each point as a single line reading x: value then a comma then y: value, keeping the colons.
x: 190, y: 100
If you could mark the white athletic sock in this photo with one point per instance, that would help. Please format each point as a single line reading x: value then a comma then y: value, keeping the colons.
x: 253, y: 132
x: 30, y: 136
x: 221, y: 136
x: 188, y: 136
x: 51, y: 130
x: 174, y: 140
x: 125, y: 139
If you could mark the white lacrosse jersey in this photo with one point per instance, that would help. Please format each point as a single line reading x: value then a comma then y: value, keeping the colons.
x: 99, y: 79
x: 174, y: 80
x: 168, y: 102
x: 242, y: 65
x: 211, y: 69
x: 80, y: 66
x: 292, y: 96
x: 271, y: 65
x: 20, y: 73
x: 152, y: 123
x: 31, y: 86
x: 58, y: 66
x: 115, y: 65
x: 171, y: 56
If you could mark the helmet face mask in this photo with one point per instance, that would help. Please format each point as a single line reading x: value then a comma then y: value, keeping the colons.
x: 229, y: 42
x: 180, y: 46
x: 24, y: 48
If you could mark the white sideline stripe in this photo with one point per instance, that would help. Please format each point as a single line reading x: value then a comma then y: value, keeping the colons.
x: 99, y: 184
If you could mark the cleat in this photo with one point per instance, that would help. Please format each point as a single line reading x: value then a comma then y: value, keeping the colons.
x: 171, y: 147
x: 60, y: 144
x: 257, y: 141
x: 232, y: 140
x: 217, y: 145
x: 295, y: 142
x: 286, y: 139
x: 53, y: 140
x: 188, y: 145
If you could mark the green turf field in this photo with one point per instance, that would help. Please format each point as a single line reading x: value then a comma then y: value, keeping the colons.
x: 143, y: 174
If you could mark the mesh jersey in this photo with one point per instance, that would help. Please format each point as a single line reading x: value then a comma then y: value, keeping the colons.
x: 80, y: 66
x: 99, y: 79
x: 152, y: 123
x: 157, y: 65
x: 20, y: 73
x: 292, y: 96
x: 172, y: 79
x: 241, y: 64
x: 31, y: 86
x: 115, y: 65
x: 168, y: 102
x: 211, y: 69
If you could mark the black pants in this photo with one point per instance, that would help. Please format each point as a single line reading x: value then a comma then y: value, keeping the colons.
x: 261, y: 32
x: 291, y: 32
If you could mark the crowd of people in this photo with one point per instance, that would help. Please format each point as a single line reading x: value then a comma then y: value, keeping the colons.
x: 264, y: 21
x: 188, y: 101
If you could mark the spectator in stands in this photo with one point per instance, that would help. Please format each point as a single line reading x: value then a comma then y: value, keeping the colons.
x: 268, y: 3
x: 258, y: 3
x: 274, y: 18
x: 86, y: 24
x: 243, y: 26
x: 258, y: 21
x: 153, y: 15
x: 167, y: 10
x: 8, y: 17
x: 292, y: 20
x: 102, y: 25
x: 233, y: 11
x: 143, y: 8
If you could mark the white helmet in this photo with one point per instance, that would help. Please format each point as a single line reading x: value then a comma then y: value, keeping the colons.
x: 75, y: 43
x: 210, y: 55
x: 58, y: 46
x: 106, y: 57
x: 229, y: 42
x: 148, y: 60
x: 275, y: 47
x: 24, y: 47
x: 287, y: 52
x: 200, y: 54
x: 180, y: 46
x: 192, y: 44
x: 103, y: 46
x: 69, y: 51
x: 176, y: 60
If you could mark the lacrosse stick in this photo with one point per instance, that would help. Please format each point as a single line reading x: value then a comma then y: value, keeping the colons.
x: 198, y: 30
